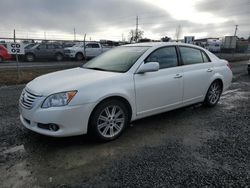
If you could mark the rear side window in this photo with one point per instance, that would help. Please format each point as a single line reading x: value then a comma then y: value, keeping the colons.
x: 50, y: 46
x: 92, y: 45
x: 95, y: 46
x: 42, y: 46
x: 166, y: 57
x: 191, y: 55
x: 205, y: 57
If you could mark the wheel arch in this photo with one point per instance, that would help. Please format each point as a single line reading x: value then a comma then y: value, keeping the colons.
x: 218, y: 78
x: 79, y: 52
x: 30, y: 53
x: 59, y: 53
x: 114, y: 97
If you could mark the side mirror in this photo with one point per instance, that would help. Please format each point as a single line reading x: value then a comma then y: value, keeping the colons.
x: 149, y: 67
x: 38, y: 48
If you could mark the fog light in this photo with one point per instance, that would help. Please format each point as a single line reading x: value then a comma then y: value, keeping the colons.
x: 53, y: 127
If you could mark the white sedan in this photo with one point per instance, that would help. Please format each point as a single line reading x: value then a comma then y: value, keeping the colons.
x: 122, y: 85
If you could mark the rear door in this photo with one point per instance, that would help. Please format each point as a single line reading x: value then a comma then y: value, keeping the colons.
x: 51, y: 51
x: 197, y: 73
x: 160, y: 90
x: 40, y: 51
x: 93, y: 49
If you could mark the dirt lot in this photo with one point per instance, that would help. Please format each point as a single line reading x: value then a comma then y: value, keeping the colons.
x: 190, y: 147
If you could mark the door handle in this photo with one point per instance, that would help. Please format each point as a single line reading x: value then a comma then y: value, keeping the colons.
x: 209, y: 70
x: 178, y: 76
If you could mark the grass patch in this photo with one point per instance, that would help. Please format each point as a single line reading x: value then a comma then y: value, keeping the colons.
x: 10, y: 77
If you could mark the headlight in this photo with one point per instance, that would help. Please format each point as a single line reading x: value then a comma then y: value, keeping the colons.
x: 58, y: 99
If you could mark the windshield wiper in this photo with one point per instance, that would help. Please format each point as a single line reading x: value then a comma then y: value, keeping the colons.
x: 95, y: 68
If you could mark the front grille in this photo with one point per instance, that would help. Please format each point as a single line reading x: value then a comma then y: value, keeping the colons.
x: 66, y: 51
x: 28, y: 99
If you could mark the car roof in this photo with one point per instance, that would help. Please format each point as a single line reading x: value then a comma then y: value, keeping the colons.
x: 159, y: 44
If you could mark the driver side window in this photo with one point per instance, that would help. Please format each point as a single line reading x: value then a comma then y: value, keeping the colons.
x: 42, y: 46
x: 166, y: 57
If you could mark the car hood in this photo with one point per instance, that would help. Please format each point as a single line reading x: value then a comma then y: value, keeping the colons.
x: 73, y: 48
x: 67, y: 80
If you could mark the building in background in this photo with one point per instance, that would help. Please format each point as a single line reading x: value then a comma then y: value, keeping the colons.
x: 189, y: 39
x: 211, y: 44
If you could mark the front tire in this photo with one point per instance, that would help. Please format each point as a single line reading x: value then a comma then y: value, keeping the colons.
x: 30, y: 57
x: 79, y: 56
x: 1, y: 59
x: 109, y: 120
x: 213, y: 94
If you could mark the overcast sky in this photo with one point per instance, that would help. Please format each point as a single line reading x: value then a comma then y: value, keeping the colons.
x: 110, y: 19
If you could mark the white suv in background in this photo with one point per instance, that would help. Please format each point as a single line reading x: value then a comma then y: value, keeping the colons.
x: 124, y: 84
x: 92, y: 49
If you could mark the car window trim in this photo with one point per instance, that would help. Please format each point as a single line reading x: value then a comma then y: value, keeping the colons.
x: 178, y: 60
x: 209, y: 61
x: 201, y: 50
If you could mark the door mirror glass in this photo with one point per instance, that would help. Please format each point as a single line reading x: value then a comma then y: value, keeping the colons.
x: 149, y: 67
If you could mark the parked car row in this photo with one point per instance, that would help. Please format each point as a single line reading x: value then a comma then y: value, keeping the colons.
x: 91, y: 50
x: 57, y: 52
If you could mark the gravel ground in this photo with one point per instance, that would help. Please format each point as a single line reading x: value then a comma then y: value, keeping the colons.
x: 189, y: 147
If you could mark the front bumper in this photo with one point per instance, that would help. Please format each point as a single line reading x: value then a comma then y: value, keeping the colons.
x: 72, y: 120
x: 69, y: 54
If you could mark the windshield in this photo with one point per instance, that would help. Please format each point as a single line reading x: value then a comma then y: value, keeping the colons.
x: 29, y: 46
x: 78, y: 45
x: 119, y: 59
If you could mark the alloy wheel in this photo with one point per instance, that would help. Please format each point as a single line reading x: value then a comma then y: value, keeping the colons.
x: 214, y: 93
x: 111, y: 121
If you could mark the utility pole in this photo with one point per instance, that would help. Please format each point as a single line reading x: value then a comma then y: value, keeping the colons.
x: 44, y: 35
x: 74, y: 34
x: 236, y: 28
x: 178, y: 32
x: 84, y: 44
x: 17, y: 62
x: 136, y: 29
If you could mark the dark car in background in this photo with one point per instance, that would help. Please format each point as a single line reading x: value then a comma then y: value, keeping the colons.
x: 248, y: 67
x: 44, y: 51
x: 4, y: 55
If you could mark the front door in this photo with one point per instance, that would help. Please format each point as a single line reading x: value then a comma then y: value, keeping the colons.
x: 161, y: 90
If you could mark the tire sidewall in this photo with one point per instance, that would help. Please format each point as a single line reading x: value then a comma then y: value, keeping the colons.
x: 77, y: 57
x: 94, y: 118
x: 207, y: 102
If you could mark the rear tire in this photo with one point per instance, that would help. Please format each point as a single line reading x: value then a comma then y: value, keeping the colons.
x: 213, y: 94
x: 1, y: 59
x: 108, y: 120
x: 30, y: 57
x: 59, y: 57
